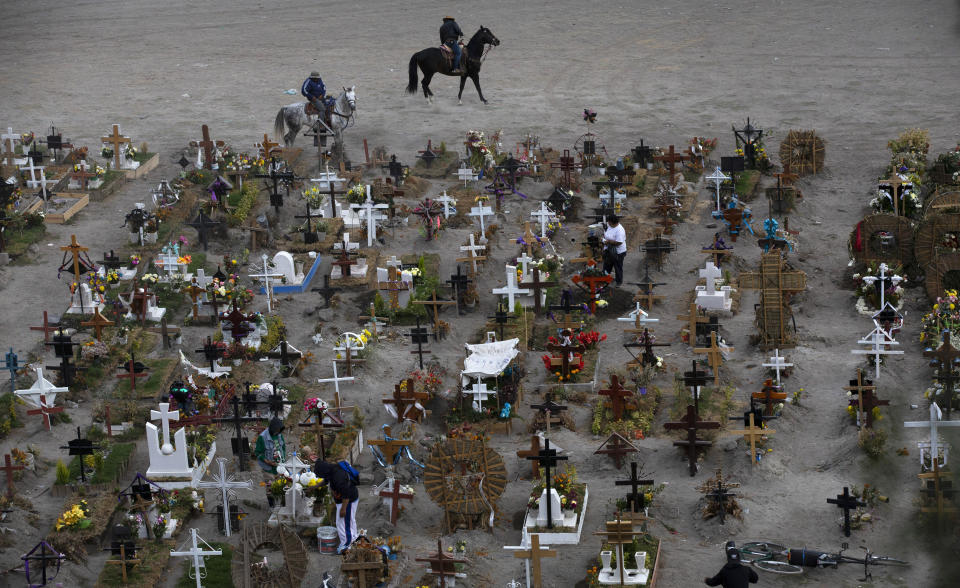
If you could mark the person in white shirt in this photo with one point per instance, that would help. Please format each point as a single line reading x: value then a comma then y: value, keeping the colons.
x: 614, y: 248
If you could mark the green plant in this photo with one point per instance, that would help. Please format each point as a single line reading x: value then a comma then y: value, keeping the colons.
x: 63, y: 473
x: 873, y: 442
x: 243, y: 200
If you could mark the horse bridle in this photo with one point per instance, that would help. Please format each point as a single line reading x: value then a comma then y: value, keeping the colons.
x: 352, y: 117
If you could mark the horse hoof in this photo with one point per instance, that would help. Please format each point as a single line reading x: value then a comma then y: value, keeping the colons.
x: 460, y: 102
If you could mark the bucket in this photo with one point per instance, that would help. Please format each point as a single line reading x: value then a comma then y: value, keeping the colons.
x: 328, y: 540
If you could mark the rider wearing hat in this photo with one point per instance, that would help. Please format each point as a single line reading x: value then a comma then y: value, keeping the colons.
x: 450, y: 35
x: 314, y: 91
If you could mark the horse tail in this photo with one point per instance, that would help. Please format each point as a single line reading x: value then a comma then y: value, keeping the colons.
x: 278, y: 123
x: 412, y: 86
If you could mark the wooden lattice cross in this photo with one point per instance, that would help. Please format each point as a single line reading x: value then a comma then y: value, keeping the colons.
x: 617, y: 447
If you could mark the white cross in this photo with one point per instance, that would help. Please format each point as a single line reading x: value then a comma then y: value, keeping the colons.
x: 350, y: 246
x: 43, y: 182
x: 637, y: 315
x: 524, y: 260
x: 718, y: 178
x: 336, y: 381
x: 42, y: 387
x: 353, y: 350
x: 202, y: 280
x: 226, y: 484
x: 544, y: 216
x: 268, y: 278
x: 327, y: 178
x: 169, y: 263
x: 711, y: 272
x: 878, y: 340
x: 480, y: 393
x: 473, y: 248
x: 464, y: 174
x: 511, y: 289
x: 447, y: 201
x: 481, y: 212
x: 9, y: 137
x: 197, y: 553
x: 882, y: 276
x: 34, y: 171
x: 777, y: 363
x: 935, y: 421
x: 294, y: 466
x: 165, y: 415
x: 372, y: 213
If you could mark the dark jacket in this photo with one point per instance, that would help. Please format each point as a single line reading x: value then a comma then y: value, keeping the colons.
x: 338, y: 480
x: 734, y: 575
x: 312, y: 89
x: 450, y: 31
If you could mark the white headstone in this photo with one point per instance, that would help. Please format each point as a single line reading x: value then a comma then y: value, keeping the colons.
x: 480, y: 393
x: 556, y: 509
x: 778, y: 363
x: 166, y: 459
x: 544, y: 216
x: 466, y: 174
x: 284, y: 265
x: 448, y: 204
x: 82, y: 301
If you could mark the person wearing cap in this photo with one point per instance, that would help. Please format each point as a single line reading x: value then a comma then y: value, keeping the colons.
x: 271, y: 448
x: 734, y: 574
x: 314, y: 91
x: 614, y: 247
x: 345, y: 495
x: 450, y: 35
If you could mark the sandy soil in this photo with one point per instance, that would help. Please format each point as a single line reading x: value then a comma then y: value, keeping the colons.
x: 858, y: 72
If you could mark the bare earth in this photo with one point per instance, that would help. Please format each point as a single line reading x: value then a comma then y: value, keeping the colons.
x: 857, y: 72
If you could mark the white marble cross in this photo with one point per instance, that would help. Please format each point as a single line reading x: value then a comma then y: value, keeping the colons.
x: 371, y: 213
x: 544, y: 216
x: 346, y: 242
x: 226, y: 484
x: 169, y: 263
x: 34, y: 179
x: 464, y: 174
x: 447, y: 201
x: 335, y: 379
x: 9, y: 137
x: 718, y: 178
x: 42, y: 387
x: 878, y: 341
x: 326, y: 178
x: 637, y: 315
x: 882, y: 276
x: 165, y: 415
x: 43, y: 182
x: 198, y: 553
x: 711, y: 272
x: 511, y: 289
x: 481, y: 212
x: 777, y: 363
x: 267, y: 276
x: 933, y: 424
x: 523, y: 260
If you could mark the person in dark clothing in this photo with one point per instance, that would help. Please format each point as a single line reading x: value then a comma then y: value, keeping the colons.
x: 314, y: 91
x: 734, y: 574
x: 345, y: 494
x: 450, y: 35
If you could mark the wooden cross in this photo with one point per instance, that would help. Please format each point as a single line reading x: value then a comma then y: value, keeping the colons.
x: 847, y: 502
x: 98, y: 322
x: 770, y: 394
x: 635, y: 498
x: 82, y: 175
x: 361, y: 568
x: 441, y: 565
x: 645, y: 294
x: 565, y: 351
x: 752, y: 434
x: 47, y: 328
x: 404, y: 397
x: 320, y: 428
x: 528, y: 453
x: 535, y: 554
x: 619, y: 533
x: 566, y: 165
x: 537, y: 286
x: 116, y: 139
x: 124, y: 560
x: 865, y: 402
x: 693, y: 318
x: 267, y: 146
x: 76, y: 250
x: 946, y: 357
x: 395, y: 494
x: 939, y: 492
x: 389, y: 447
x: 134, y: 370
x: 194, y: 291
x: 718, y: 490
x: 895, y: 184
x: 670, y: 158
x: 165, y: 331
x: 691, y: 425
x: 593, y: 284
x: 418, y: 336
x: 616, y: 446
x: 436, y: 304
x: 348, y: 359
x: 45, y: 410
x: 208, y: 147
x: 9, y: 468
x: 714, y: 356
x: 550, y: 409
x: 617, y: 395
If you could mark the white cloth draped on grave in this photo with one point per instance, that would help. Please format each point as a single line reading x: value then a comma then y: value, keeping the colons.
x: 487, y: 360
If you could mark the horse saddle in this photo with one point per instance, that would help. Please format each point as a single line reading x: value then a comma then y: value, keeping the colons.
x: 447, y: 53
x: 311, y: 110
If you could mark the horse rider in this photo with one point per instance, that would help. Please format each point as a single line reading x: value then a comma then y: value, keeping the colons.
x: 450, y: 35
x: 315, y: 92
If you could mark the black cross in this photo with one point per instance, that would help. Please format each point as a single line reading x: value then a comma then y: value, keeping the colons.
x: 512, y: 166
x: 419, y: 336
x: 847, y: 502
x: 603, y: 212
x: 501, y: 317
x: 327, y: 292
x: 63, y: 348
x: 746, y: 136
x: 81, y: 447
x: 275, y: 401
x: 309, y: 235
x: 646, y: 283
x: 458, y: 282
x: 111, y: 261
x: 141, y: 488
x: 240, y: 444
x: 547, y: 458
x: 427, y: 155
x: 396, y: 169
x: 657, y: 248
x: 641, y: 153
x: 695, y: 379
x: 558, y: 201
x: 285, y: 356
x: 211, y: 352
x: 276, y: 175
x: 203, y: 224
x: 549, y: 408
x: 635, y: 498
x: 47, y: 553
x: 720, y: 495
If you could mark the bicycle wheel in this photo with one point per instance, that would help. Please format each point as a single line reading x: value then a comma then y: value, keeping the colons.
x: 777, y: 566
x: 882, y: 560
x: 759, y: 550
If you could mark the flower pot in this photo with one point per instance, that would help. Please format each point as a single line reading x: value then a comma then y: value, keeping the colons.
x: 605, y: 557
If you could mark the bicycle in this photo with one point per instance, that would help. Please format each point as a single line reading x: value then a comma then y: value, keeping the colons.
x: 773, y: 557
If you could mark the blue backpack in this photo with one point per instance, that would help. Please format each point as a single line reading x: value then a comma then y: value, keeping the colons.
x: 353, y: 474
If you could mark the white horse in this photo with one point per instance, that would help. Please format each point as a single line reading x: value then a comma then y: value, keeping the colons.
x: 295, y: 116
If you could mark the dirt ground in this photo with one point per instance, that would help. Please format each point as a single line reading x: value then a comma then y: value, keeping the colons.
x: 857, y: 72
